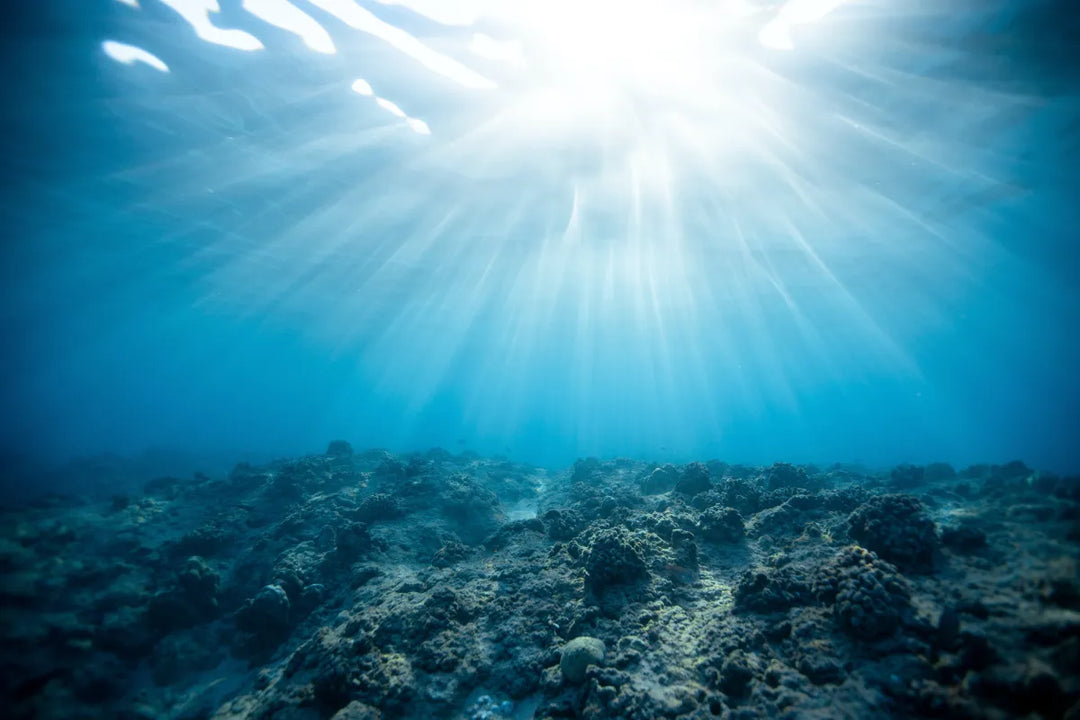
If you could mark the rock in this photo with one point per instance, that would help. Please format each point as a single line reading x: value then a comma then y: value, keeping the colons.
x: 516, y: 531
x: 357, y: 710
x: 206, y: 541
x: 586, y: 469
x: 906, y: 477
x: 686, y: 550
x: 938, y: 471
x: 820, y: 668
x: 615, y: 557
x: 353, y: 542
x: 449, y: 553
x: 784, y: 475
x: 739, y: 494
x: 1010, y: 477
x: 694, y: 480
x: 578, y: 654
x: 339, y: 449
x: 869, y: 597
x: 378, y: 507
x: 562, y: 524
x: 722, y: 525
x: 897, y: 529
x: 660, y: 480
x: 334, y: 618
x: 736, y: 674
x: 767, y: 590
x: 268, y: 610
x: 311, y: 596
x: 199, y: 583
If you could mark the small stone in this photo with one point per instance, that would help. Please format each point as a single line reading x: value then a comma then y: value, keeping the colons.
x: 578, y: 655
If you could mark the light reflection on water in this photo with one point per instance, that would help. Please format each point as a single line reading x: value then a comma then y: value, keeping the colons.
x: 648, y: 42
x: 287, y: 16
x: 641, y: 195
x: 128, y: 54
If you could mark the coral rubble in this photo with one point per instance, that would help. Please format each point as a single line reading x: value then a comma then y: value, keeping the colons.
x: 366, y: 586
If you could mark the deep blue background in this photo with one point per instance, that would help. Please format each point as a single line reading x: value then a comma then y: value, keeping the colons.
x: 157, y: 292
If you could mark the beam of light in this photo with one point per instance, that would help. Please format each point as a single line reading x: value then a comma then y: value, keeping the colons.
x: 287, y: 16
x: 130, y: 3
x: 197, y: 14
x: 129, y: 54
x: 651, y: 200
x: 364, y: 20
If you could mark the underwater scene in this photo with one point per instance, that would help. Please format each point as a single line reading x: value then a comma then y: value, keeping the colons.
x: 540, y: 359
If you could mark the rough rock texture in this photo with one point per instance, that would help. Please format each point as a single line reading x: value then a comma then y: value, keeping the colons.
x: 614, y: 557
x: 578, y: 654
x: 869, y: 597
x: 694, y: 480
x: 367, y: 586
x: 722, y: 525
x: 897, y: 528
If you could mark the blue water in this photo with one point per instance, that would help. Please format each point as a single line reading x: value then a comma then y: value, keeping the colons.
x: 672, y: 236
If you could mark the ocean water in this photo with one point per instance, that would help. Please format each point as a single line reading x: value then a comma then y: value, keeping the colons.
x: 540, y: 359
x: 810, y: 232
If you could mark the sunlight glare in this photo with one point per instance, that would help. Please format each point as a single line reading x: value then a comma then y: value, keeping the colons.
x: 620, y: 74
x: 197, y: 14
x: 362, y: 19
x: 285, y: 15
x: 129, y: 54
x: 777, y: 32
x: 456, y: 13
x: 390, y: 107
x: 363, y: 87
x: 418, y: 126
x: 509, y: 52
x: 636, y: 44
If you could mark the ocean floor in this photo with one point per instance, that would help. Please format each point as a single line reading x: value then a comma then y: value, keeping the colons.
x: 358, y: 586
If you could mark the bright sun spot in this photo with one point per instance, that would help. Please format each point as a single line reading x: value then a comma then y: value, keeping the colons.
x: 673, y: 80
x: 636, y: 45
x: 642, y: 78
x: 777, y: 33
